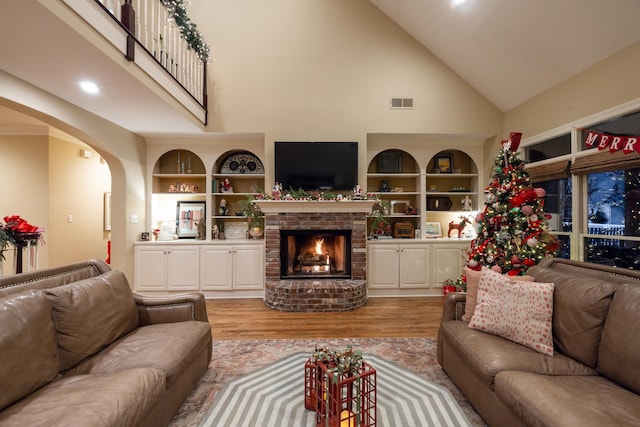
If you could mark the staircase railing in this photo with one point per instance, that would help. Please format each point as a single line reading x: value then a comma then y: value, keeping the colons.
x: 152, y: 26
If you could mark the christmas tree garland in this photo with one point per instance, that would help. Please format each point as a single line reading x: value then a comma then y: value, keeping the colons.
x: 187, y: 28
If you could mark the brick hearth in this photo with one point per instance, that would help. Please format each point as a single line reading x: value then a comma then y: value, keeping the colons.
x: 315, y: 294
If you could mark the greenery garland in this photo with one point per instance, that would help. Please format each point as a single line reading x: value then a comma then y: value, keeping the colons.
x: 188, y: 29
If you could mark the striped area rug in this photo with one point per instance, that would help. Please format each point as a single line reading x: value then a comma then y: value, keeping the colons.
x: 273, y: 396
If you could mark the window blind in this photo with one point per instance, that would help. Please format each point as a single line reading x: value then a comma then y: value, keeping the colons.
x: 605, y: 161
x: 549, y: 171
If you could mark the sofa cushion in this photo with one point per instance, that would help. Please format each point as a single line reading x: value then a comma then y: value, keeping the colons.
x: 488, y: 354
x: 170, y: 347
x: 29, y: 355
x: 92, y: 313
x: 473, y: 280
x: 567, y: 401
x: 580, y: 306
x: 517, y: 310
x: 120, y: 399
x: 619, y: 353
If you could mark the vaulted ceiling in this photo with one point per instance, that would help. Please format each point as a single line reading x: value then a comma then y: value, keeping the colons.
x: 512, y: 50
x: 509, y: 50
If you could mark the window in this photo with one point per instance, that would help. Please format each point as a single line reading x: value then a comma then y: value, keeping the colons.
x: 613, y: 211
x: 593, y: 198
x: 557, y: 204
x: 548, y: 149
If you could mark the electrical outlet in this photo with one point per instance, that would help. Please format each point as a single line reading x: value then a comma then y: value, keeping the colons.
x: 69, y: 218
x: 133, y: 219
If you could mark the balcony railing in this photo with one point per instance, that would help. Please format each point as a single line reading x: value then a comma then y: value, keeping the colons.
x: 151, y: 25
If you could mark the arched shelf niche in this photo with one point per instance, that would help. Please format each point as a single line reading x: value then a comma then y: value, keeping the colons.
x: 179, y: 171
x: 237, y: 175
x: 451, y: 180
x: 393, y: 176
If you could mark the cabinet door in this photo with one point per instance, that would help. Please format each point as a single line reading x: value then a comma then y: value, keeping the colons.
x: 216, y: 268
x: 248, y: 268
x: 414, y: 266
x: 383, y: 266
x: 183, y: 268
x: 447, y: 263
x: 150, y: 269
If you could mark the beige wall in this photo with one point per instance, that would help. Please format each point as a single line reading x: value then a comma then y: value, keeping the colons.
x: 326, y: 69
x: 125, y: 153
x: 76, y: 187
x: 613, y: 82
x: 24, y: 162
x: 52, y: 181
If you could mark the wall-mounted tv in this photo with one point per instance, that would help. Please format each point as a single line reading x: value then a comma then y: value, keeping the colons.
x: 316, y: 165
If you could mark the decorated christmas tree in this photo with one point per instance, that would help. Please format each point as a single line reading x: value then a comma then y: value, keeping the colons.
x: 513, y: 229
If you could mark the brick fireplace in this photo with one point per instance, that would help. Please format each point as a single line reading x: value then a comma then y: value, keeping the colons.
x: 320, y: 220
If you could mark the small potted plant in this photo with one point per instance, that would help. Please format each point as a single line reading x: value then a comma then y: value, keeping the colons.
x: 380, y: 225
x: 255, y: 217
x: 6, y: 239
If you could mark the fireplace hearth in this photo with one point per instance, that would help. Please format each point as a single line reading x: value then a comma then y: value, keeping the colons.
x: 299, y: 276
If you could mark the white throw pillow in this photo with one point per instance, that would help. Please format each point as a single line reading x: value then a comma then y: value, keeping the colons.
x: 516, y: 310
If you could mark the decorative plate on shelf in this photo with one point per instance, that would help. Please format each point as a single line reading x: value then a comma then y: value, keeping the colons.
x: 243, y: 162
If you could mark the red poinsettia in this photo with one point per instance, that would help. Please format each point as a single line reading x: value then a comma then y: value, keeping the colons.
x: 18, y: 225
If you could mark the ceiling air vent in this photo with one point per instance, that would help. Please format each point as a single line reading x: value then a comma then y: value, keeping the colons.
x: 406, y: 103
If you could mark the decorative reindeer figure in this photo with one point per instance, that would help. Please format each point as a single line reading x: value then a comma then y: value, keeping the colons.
x: 459, y: 226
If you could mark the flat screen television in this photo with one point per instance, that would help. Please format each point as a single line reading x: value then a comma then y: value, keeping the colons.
x: 325, y: 166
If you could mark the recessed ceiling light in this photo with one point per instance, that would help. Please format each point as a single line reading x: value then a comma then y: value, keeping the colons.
x: 89, y: 87
x: 456, y: 3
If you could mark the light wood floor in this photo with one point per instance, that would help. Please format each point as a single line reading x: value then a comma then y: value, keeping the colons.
x: 378, y: 318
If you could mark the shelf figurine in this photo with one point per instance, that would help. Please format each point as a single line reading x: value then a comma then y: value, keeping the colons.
x: 358, y: 193
x: 202, y: 230
x: 226, y: 186
x: 222, y: 210
x: 466, y: 204
x: 277, y: 191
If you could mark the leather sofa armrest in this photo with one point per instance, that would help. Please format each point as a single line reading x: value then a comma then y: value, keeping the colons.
x: 453, y: 309
x: 454, y: 304
x: 175, y: 308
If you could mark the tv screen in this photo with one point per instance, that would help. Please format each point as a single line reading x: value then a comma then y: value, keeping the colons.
x: 316, y: 165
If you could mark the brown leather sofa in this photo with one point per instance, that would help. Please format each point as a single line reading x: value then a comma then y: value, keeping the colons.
x: 593, y: 378
x: 78, y: 348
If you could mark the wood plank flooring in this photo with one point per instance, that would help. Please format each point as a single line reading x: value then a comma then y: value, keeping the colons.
x: 378, y: 318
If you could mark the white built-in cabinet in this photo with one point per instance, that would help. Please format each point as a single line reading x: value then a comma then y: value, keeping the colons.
x: 166, y: 268
x: 413, y: 267
x: 231, y: 267
x: 215, y: 269
x: 393, y: 266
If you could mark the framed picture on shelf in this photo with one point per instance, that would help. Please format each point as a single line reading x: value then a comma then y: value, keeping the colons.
x: 188, y: 216
x: 390, y: 162
x: 432, y: 229
x: 444, y: 163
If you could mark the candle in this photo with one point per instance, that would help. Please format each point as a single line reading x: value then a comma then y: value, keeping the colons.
x: 347, y: 418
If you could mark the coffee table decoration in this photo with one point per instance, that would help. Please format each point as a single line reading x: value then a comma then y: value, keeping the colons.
x: 341, y: 388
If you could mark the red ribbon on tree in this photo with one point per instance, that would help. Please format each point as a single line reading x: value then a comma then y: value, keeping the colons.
x: 513, y: 142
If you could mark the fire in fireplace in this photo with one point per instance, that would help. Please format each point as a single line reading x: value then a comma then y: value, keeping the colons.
x: 322, y: 254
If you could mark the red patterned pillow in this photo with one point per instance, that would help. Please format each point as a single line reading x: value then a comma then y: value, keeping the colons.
x: 473, y: 279
x: 516, y: 310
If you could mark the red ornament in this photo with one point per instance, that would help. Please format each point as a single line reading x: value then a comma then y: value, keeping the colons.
x: 529, y: 262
